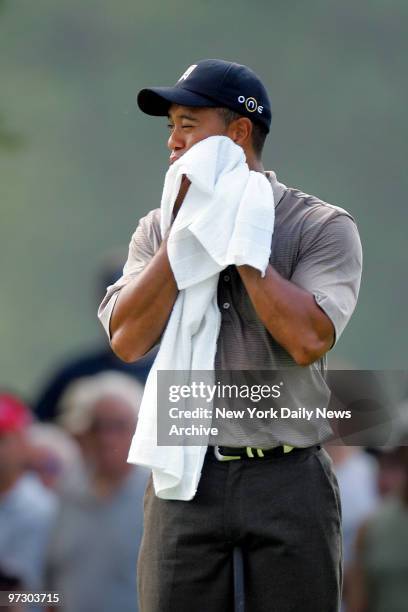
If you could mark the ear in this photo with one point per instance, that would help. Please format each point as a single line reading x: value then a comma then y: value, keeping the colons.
x: 240, y: 131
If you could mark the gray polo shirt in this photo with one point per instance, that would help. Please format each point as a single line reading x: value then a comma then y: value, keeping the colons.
x: 315, y: 245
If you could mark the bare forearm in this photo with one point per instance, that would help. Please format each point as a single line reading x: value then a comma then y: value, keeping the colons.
x: 143, y: 307
x: 289, y: 313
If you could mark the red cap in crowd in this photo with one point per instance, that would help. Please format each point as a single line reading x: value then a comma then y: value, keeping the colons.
x: 14, y: 414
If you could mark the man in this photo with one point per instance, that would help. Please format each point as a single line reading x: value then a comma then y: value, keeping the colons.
x: 96, y: 535
x: 27, y: 508
x: 282, y: 508
x: 356, y: 473
x: 377, y: 580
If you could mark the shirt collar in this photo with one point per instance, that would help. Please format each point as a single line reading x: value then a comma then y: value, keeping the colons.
x: 277, y: 187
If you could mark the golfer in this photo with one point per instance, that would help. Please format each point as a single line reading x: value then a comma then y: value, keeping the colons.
x: 278, y: 500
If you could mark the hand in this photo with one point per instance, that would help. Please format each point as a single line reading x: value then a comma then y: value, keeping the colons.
x: 185, y: 184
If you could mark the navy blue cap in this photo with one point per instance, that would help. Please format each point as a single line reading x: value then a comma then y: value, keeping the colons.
x: 212, y: 83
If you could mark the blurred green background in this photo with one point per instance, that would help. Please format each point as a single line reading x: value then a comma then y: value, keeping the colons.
x: 79, y: 164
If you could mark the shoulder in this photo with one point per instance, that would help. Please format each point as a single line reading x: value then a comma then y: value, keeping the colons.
x: 146, y: 238
x: 33, y: 500
x: 309, y: 220
x: 151, y: 221
x: 311, y: 209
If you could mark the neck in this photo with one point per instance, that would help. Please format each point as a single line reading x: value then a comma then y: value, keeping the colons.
x: 106, y: 484
x: 253, y: 162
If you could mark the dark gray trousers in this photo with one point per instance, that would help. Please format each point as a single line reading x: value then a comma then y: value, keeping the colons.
x: 285, y: 515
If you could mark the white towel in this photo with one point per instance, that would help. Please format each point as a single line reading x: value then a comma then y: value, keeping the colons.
x: 226, y: 218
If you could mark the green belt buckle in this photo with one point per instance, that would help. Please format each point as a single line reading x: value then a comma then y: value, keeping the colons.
x: 259, y: 451
x: 249, y: 451
x: 224, y: 457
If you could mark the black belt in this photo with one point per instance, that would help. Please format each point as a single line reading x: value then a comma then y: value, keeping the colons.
x: 228, y: 453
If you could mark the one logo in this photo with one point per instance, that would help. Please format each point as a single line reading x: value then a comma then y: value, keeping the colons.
x: 250, y: 104
x: 187, y: 73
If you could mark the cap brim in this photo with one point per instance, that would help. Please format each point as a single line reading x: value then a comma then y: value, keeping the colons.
x: 156, y: 101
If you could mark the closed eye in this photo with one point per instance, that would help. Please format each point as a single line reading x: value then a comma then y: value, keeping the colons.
x: 170, y: 126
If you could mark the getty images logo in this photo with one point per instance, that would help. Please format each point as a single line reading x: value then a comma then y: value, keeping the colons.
x: 250, y: 104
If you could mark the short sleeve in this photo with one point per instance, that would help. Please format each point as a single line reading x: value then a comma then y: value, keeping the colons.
x: 143, y: 245
x: 330, y: 266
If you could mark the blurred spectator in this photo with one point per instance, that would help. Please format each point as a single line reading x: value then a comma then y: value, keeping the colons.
x: 26, y: 506
x: 75, y: 409
x: 95, y: 542
x: 378, y: 580
x: 91, y: 361
x: 356, y: 473
x: 390, y: 475
x: 54, y: 455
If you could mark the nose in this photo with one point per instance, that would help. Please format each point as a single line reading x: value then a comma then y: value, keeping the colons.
x: 175, y: 141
